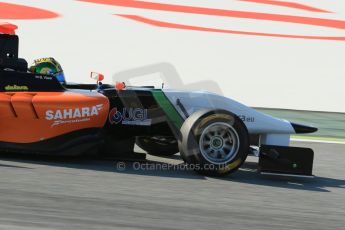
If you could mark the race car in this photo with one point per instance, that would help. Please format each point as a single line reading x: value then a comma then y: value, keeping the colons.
x: 41, y: 113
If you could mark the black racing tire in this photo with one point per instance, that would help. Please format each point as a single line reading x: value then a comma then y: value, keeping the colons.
x: 158, y: 146
x: 214, y: 142
x: 116, y: 146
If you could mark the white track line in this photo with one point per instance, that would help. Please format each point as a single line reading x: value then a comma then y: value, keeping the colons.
x: 286, y: 175
x: 318, y: 141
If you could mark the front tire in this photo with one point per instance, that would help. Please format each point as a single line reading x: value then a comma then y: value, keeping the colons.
x: 215, y: 143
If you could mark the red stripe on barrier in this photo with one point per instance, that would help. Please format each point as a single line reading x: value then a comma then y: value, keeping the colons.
x: 330, y: 23
x: 293, y: 5
x: 197, y: 28
x: 15, y: 11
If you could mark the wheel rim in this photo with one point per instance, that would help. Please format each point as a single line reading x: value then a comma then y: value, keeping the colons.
x: 219, y: 143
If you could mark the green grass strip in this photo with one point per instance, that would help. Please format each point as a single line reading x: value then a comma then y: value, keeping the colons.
x: 319, y: 138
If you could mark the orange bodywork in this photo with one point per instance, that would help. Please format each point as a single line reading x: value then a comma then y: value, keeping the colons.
x: 27, y: 117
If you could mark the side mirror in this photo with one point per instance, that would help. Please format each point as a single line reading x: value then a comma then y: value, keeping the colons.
x: 120, y: 86
x: 97, y: 76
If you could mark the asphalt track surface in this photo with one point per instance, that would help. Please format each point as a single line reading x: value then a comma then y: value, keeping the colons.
x: 50, y: 193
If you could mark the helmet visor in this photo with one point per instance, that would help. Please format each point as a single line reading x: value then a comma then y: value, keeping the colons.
x: 61, y: 77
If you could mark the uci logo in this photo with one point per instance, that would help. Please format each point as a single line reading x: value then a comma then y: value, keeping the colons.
x: 129, y: 116
x: 115, y: 116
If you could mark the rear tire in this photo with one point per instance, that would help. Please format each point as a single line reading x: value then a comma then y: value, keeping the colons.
x: 158, y: 146
x: 214, y: 143
x: 116, y: 146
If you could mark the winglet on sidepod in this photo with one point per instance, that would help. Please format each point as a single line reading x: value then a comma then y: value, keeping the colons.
x: 7, y: 28
x: 303, y: 128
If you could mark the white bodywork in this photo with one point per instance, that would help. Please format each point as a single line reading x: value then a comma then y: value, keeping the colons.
x: 273, y: 131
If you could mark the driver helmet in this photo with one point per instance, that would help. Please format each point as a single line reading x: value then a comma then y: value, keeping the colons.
x: 48, y: 66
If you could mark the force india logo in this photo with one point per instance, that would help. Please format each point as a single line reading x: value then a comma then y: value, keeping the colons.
x: 129, y: 116
x: 74, y: 115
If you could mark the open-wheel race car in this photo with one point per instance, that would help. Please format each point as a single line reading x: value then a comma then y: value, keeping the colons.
x: 42, y: 113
